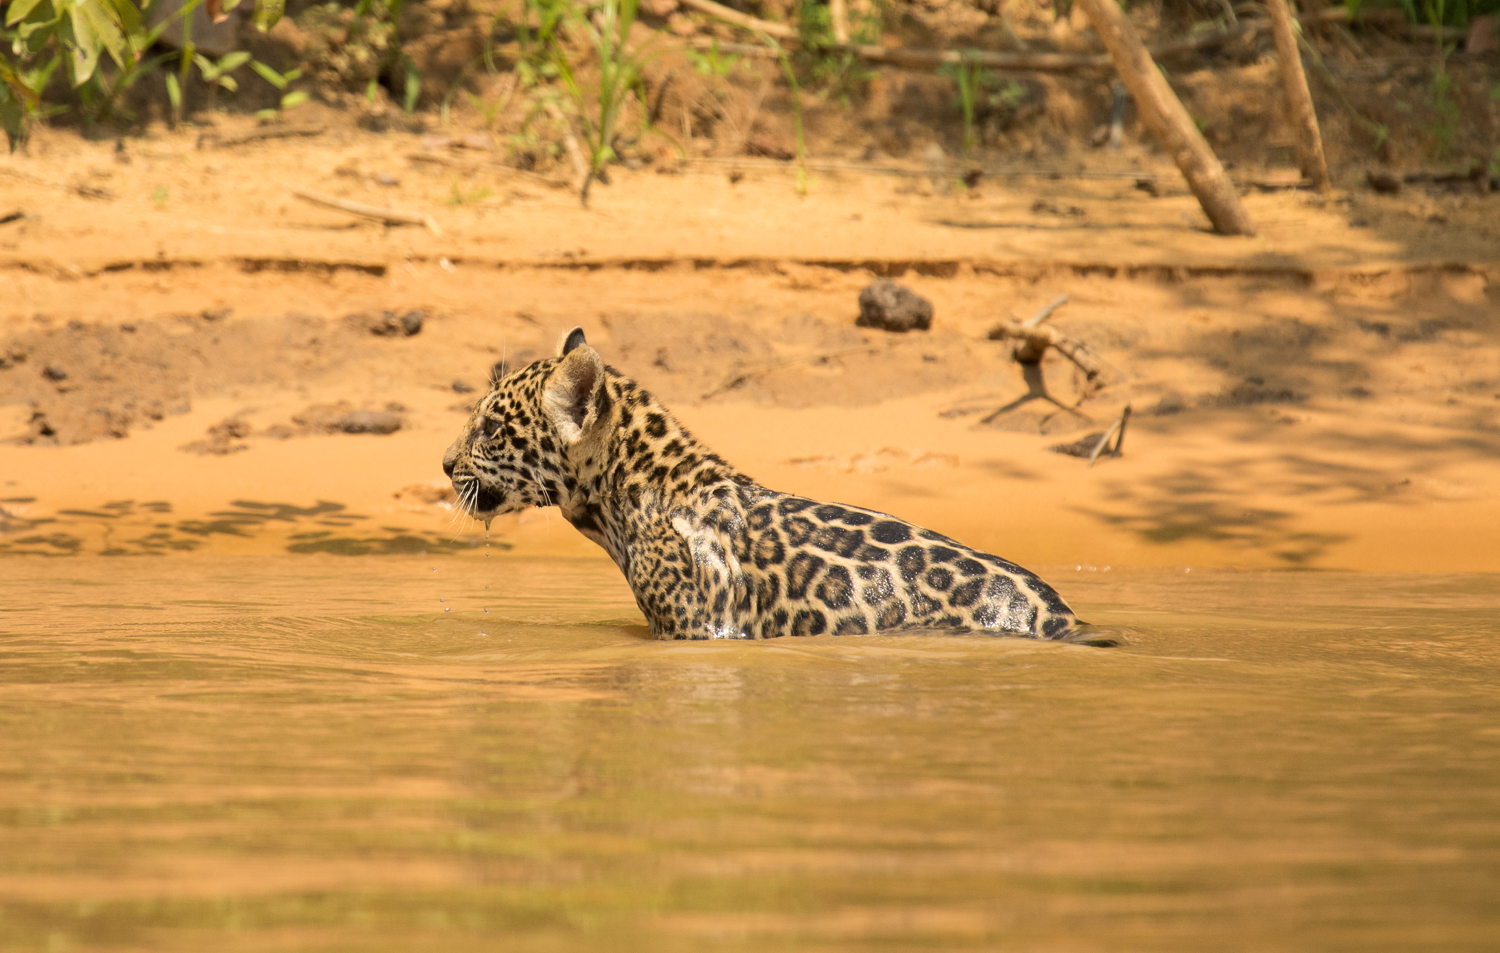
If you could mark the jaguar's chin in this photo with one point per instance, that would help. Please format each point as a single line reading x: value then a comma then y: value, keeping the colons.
x: 484, y: 502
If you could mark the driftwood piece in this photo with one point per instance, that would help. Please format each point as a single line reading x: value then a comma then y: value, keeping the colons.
x: 1298, y: 97
x: 1168, y: 119
x: 388, y: 215
x: 1032, y: 341
x: 779, y: 30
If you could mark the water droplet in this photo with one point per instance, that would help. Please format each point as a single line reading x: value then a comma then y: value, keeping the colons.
x: 486, y: 612
x: 487, y: 525
x: 447, y: 608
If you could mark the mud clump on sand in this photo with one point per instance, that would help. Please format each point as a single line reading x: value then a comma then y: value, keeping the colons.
x: 892, y: 307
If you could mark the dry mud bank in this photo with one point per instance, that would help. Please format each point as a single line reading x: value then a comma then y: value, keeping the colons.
x: 180, y: 379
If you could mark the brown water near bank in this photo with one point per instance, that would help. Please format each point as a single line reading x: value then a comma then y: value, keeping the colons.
x: 314, y: 753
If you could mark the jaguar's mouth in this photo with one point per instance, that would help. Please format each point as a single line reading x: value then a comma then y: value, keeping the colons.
x: 476, y: 499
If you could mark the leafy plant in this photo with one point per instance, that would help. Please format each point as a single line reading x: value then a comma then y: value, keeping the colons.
x: 712, y: 62
x: 606, y: 28
x: 796, y: 90
x: 102, y: 43
x: 281, y: 81
x: 216, y: 74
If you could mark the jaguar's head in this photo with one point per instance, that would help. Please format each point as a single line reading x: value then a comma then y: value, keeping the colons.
x: 518, y: 447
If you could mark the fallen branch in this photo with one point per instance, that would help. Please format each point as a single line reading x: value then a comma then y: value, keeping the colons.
x: 388, y: 215
x: 1117, y: 427
x: 1032, y: 341
x: 256, y: 135
x: 779, y: 30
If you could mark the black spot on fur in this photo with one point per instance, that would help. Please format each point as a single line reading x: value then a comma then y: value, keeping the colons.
x: 969, y: 567
x: 836, y: 591
x: 800, y: 573
x: 999, y: 589
x: 656, y: 425
x: 890, y: 532
x: 922, y: 605
x: 880, y: 589
x: 829, y: 513
x: 986, y: 616
x: 891, y: 616
x: 759, y: 517
x: 833, y: 539
x: 852, y: 625
x: 798, y: 530
x: 911, y: 561
x: 793, y: 504
x: 768, y: 550
x: 768, y: 591
x: 966, y: 595
x: 872, y: 554
x: 809, y: 622
x: 942, y: 554
x: 853, y: 518
x: 1054, y: 628
x: 939, y: 578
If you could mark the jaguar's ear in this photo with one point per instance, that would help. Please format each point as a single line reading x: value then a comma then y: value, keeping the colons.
x: 574, y: 398
x: 569, y: 341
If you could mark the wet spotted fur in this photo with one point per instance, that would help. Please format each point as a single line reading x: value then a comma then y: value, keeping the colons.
x: 707, y: 551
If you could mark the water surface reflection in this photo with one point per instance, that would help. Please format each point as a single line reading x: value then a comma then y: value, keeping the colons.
x: 315, y: 753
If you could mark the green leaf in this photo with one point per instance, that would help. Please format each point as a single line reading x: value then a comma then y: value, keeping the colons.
x: 86, y: 46
x: 268, y: 13
x: 18, y: 10
x: 12, y: 118
x: 233, y: 61
x: 229, y: 83
x: 294, y: 98
x: 413, y: 87
x: 268, y: 74
x: 174, y: 92
x: 292, y: 74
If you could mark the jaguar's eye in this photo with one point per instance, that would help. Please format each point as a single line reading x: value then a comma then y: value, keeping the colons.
x: 491, y: 425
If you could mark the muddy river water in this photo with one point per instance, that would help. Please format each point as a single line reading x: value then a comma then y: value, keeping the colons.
x: 380, y: 753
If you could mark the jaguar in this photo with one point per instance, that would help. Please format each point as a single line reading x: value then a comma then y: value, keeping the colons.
x: 708, y: 552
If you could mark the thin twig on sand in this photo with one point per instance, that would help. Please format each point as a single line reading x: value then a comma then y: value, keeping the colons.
x: 1117, y: 427
x: 388, y: 215
x: 256, y: 135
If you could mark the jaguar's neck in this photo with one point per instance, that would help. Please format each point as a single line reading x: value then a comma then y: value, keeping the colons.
x: 647, y: 454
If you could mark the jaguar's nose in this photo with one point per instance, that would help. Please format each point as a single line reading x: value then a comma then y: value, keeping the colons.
x: 450, y: 459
